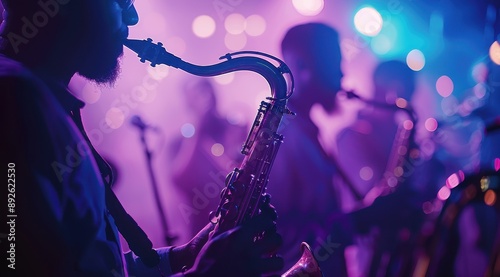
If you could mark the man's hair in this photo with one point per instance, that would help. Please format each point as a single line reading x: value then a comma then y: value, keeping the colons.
x: 312, y: 41
x: 31, y: 27
x: 394, y: 74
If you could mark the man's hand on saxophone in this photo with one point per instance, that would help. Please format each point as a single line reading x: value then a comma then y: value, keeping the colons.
x: 236, y: 252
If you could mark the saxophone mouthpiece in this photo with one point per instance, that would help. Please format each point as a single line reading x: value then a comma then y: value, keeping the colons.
x: 135, y: 45
x: 154, y: 53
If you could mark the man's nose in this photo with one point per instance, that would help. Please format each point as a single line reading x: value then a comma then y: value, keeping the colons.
x: 130, y: 16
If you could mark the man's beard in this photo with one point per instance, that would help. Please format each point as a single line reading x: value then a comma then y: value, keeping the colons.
x: 103, y: 67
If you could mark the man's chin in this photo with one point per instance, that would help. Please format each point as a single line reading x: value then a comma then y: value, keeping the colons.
x: 105, y: 74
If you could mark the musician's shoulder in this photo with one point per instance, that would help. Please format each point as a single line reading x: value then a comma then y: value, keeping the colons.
x: 10, y: 68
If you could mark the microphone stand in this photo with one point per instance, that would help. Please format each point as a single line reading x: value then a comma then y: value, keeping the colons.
x: 169, y: 238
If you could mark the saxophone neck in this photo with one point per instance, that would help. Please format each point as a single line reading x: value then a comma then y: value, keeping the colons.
x: 274, y: 75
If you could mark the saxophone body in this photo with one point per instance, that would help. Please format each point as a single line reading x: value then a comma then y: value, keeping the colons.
x: 245, y: 186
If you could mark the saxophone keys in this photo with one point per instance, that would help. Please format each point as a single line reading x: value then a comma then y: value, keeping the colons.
x: 229, y: 211
x: 213, y: 217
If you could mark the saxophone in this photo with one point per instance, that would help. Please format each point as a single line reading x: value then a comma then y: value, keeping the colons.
x: 245, y: 187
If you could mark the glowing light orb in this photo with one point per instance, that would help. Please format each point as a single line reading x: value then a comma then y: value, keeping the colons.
x: 444, y: 193
x: 368, y: 21
x: 452, y: 181
x: 490, y: 197
x: 427, y: 207
x: 480, y: 72
x: 366, y: 173
x: 449, y: 105
x: 431, y: 124
x: 308, y: 7
x: 480, y: 90
x: 235, y: 42
x: 381, y: 44
x: 408, y: 124
x: 217, y: 149
x: 235, y: 23
x: 401, y: 103
x: 255, y: 25
x: 444, y: 86
x: 495, y: 52
x: 114, y: 118
x: 203, y: 26
x: 398, y: 171
x: 415, y: 60
x: 158, y: 72
x: 187, y: 130
x: 146, y: 92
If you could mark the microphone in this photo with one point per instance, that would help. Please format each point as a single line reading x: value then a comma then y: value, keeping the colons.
x: 139, y: 123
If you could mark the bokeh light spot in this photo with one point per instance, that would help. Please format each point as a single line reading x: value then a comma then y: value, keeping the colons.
x: 408, y: 124
x: 444, y: 86
x: 415, y: 60
x: 480, y: 72
x: 114, y: 118
x: 203, y: 26
x: 449, y: 105
x: 366, y: 173
x: 480, y: 90
x: 431, y: 124
x: 452, y: 181
x: 255, y: 25
x: 368, y: 21
x: 235, y: 42
x: 308, y: 7
x: 444, y: 193
x: 485, y: 183
x: 401, y: 103
x: 490, y: 197
x: 217, y: 149
x: 392, y: 181
x: 381, y: 44
x: 235, y: 23
x: 187, y: 130
x: 495, y: 52
x: 398, y: 171
x: 158, y: 72
x: 427, y: 207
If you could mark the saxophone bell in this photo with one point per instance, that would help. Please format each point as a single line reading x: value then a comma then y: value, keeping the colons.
x: 306, y: 265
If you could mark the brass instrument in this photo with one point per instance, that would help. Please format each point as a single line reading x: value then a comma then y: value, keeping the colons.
x: 384, y: 260
x: 401, y: 151
x: 245, y: 187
